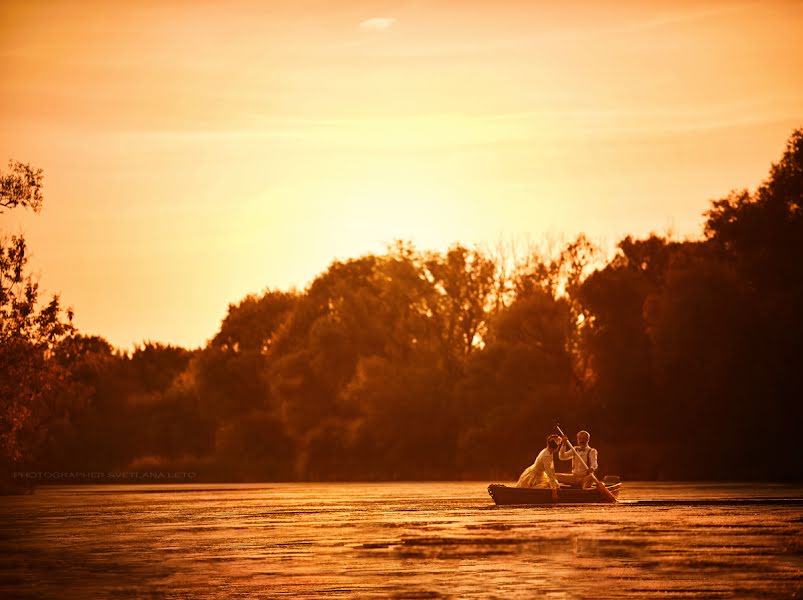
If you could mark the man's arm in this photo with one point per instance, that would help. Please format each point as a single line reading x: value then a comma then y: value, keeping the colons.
x: 592, y: 459
x: 569, y: 453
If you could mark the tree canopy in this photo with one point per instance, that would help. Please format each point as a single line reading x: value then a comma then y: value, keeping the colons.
x: 411, y: 364
x: 30, y: 381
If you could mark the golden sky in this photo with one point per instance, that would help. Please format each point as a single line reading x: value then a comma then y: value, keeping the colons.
x: 195, y: 152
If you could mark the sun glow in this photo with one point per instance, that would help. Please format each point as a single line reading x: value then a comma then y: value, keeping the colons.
x: 419, y: 209
x: 223, y: 150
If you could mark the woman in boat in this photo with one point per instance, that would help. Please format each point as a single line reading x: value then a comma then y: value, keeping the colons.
x: 582, y: 471
x: 542, y: 472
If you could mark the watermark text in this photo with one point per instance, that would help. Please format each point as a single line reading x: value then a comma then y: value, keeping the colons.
x: 104, y: 475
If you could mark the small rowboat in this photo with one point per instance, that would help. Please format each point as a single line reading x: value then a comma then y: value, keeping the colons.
x: 505, y: 495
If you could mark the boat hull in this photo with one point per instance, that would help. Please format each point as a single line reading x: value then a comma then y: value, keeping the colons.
x: 506, y: 495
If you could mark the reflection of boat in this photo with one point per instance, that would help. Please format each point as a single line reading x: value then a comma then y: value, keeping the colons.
x: 503, y: 494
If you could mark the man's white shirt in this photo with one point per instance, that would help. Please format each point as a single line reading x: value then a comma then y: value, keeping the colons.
x: 588, y: 454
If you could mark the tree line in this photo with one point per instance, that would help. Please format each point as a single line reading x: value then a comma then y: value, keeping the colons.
x: 681, y: 358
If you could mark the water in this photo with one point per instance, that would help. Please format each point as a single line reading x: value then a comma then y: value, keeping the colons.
x: 403, y: 540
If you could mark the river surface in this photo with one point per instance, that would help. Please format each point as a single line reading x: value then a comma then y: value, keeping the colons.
x: 398, y: 540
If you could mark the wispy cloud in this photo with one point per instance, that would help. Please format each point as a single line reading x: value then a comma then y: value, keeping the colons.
x: 698, y: 14
x: 377, y: 24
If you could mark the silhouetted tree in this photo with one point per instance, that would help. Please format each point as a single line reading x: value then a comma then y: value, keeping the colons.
x: 29, y: 330
x: 465, y: 282
x: 620, y: 386
x: 414, y: 364
x: 406, y: 421
x: 515, y: 386
x: 21, y: 186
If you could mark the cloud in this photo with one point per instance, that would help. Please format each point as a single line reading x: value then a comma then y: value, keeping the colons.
x: 377, y: 24
x: 662, y: 20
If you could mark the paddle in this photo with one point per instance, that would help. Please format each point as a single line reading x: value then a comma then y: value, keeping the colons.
x: 600, y: 486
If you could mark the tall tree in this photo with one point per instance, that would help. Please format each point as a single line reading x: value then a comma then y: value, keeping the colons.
x: 29, y: 330
x: 620, y: 386
x: 515, y: 386
x: 465, y: 281
x: 230, y: 371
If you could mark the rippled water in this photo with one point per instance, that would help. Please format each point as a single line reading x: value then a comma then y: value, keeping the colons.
x: 405, y: 540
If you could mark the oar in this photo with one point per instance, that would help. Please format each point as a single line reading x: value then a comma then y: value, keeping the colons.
x: 600, y: 486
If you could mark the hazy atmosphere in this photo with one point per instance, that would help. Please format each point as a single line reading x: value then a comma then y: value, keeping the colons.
x: 195, y: 156
x: 401, y: 299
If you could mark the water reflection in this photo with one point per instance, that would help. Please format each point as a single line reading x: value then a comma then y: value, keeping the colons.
x: 399, y: 540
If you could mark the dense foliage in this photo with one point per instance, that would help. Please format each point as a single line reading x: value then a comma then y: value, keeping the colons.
x: 31, y: 382
x: 681, y: 358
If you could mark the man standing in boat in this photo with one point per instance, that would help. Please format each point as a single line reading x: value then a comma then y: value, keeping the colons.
x: 542, y: 472
x: 580, y: 475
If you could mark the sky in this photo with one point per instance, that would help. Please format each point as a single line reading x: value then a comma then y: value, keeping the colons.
x: 196, y: 152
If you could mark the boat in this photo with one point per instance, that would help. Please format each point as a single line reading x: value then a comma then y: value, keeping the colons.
x: 505, y: 495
